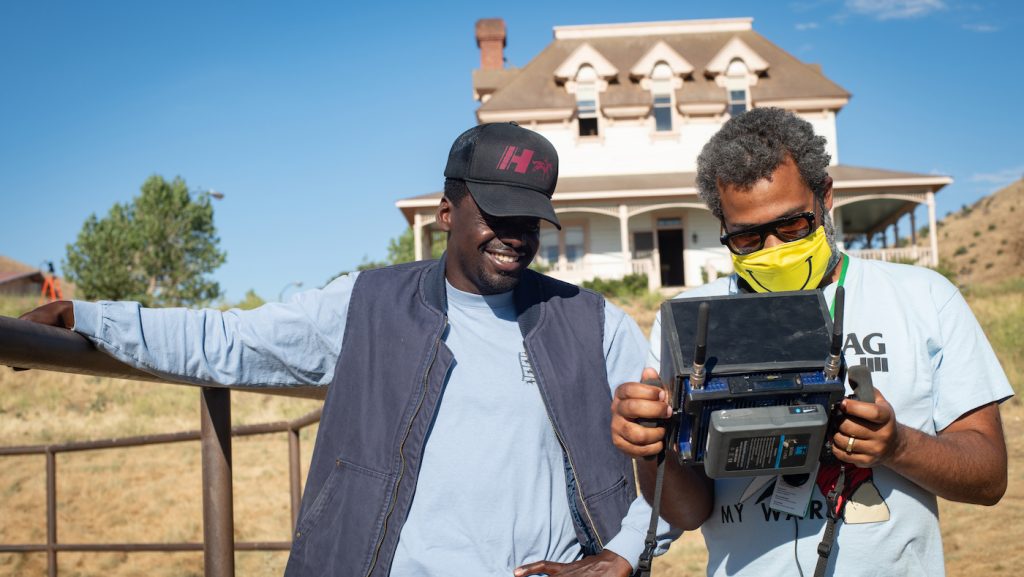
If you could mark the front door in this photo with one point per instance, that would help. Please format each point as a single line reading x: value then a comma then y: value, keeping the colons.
x: 670, y: 251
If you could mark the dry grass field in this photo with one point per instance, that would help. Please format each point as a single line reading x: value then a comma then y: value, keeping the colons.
x: 153, y: 494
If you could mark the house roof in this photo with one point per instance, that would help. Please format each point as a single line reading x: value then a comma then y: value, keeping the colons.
x: 32, y: 275
x: 675, y: 184
x: 9, y: 265
x: 12, y: 270
x: 535, y: 85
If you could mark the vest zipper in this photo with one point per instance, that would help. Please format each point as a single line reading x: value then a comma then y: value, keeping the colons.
x: 565, y: 449
x: 401, y: 452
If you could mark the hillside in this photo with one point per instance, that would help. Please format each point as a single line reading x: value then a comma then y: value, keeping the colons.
x: 9, y: 265
x: 982, y: 243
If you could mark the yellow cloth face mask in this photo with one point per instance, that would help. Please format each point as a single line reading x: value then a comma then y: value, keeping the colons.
x: 790, y: 266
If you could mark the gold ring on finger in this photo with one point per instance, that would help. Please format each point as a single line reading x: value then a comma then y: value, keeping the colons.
x: 849, y: 444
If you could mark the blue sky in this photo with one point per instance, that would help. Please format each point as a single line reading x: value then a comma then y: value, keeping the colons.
x: 314, y: 118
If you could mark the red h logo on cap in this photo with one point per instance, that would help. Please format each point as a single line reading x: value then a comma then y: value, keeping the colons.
x: 521, y: 160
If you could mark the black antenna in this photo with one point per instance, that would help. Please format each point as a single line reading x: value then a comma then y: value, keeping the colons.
x: 835, y: 352
x: 700, y: 351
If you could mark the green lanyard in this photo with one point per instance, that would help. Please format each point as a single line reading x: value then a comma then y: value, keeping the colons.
x: 842, y: 279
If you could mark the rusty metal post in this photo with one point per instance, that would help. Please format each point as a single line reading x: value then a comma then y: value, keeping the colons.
x: 51, y: 514
x: 218, y: 504
x: 294, y: 474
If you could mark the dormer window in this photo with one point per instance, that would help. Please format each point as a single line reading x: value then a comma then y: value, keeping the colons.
x: 586, y: 101
x: 737, y: 83
x: 661, y: 71
x: 737, y: 102
x: 661, y: 90
x: 736, y: 68
x: 585, y: 74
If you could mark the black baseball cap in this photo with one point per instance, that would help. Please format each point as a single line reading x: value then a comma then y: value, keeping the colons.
x: 509, y: 170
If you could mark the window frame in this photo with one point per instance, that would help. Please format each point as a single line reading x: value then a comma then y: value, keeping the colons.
x: 562, y: 264
x: 662, y: 89
x: 737, y: 80
x: 586, y: 84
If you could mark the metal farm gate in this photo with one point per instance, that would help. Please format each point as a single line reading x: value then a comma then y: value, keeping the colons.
x: 28, y: 345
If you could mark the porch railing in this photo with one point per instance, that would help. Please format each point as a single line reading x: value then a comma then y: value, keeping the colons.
x: 911, y: 254
x: 29, y: 345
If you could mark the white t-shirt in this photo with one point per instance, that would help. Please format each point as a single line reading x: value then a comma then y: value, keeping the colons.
x: 932, y: 362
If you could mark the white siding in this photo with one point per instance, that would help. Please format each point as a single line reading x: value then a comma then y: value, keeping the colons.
x: 825, y: 125
x: 627, y: 147
x: 605, y: 258
x: 633, y: 147
x: 707, y: 249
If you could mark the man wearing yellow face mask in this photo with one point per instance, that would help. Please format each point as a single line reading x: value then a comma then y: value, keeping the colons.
x: 934, y: 428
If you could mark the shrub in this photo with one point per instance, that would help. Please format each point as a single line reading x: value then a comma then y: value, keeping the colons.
x: 540, y: 266
x: 960, y: 250
x: 629, y: 285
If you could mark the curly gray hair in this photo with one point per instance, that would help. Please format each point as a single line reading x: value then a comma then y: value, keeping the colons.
x: 752, y: 145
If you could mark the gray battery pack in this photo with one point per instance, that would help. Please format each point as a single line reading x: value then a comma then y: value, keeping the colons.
x: 777, y: 440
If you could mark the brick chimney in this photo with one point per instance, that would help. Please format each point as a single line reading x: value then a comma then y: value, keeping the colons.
x: 490, y: 38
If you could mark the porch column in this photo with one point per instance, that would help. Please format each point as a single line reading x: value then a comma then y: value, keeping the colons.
x: 933, y: 233
x: 840, y: 233
x: 627, y: 265
x: 913, y: 235
x: 417, y: 236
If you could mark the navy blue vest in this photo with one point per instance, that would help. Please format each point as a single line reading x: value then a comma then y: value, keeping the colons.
x: 387, y: 386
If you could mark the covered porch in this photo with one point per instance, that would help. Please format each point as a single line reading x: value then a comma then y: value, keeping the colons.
x: 656, y: 225
x: 869, y: 205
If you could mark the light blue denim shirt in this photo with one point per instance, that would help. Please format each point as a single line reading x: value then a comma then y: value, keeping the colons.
x: 299, y: 342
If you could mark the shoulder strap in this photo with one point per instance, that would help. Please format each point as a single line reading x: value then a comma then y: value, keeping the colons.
x: 651, y: 542
x: 834, y: 512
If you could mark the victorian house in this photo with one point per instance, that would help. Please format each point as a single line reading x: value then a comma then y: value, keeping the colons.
x: 629, y: 107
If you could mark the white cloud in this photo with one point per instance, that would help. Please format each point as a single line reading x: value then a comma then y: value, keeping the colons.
x: 999, y: 178
x: 808, y: 5
x: 981, y: 28
x: 895, y: 9
x: 801, y: 26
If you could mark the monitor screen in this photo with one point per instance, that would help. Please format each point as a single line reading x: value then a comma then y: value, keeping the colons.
x: 775, y: 330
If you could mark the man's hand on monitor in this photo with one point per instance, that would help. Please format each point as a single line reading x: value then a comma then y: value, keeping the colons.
x: 635, y: 407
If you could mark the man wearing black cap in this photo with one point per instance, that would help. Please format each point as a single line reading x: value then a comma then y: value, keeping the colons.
x: 465, y: 428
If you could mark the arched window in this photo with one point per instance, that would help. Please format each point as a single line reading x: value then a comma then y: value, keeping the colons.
x: 586, y: 100
x: 737, y: 84
x: 661, y: 90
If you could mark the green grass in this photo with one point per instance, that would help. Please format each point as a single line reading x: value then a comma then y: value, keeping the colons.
x: 11, y: 306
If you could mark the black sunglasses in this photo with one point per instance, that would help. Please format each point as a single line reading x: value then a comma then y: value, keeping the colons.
x: 787, y: 229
